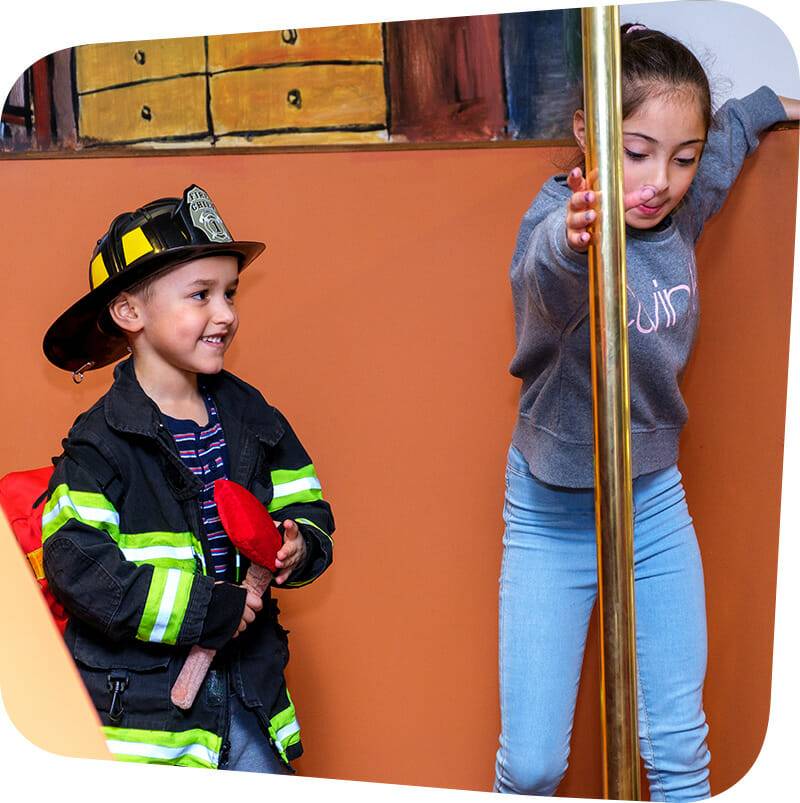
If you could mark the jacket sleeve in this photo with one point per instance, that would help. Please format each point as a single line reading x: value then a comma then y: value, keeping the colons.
x: 87, y: 568
x: 297, y: 495
x: 554, y: 277
x: 732, y: 137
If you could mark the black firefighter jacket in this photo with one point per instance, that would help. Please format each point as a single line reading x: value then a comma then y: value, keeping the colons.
x: 125, y: 554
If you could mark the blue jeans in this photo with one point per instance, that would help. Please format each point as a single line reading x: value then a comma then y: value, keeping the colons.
x: 250, y: 746
x: 548, y: 587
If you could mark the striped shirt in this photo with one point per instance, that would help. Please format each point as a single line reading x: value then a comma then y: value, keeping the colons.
x: 204, y: 452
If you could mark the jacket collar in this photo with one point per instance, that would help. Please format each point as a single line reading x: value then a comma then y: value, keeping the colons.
x: 129, y: 409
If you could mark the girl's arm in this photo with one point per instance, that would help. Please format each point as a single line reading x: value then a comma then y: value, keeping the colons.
x: 791, y: 106
x: 733, y: 136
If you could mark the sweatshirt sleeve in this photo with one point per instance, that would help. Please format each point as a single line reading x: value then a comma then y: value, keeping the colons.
x: 123, y: 585
x: 297, y: 495
x: 553, y: 275
x: 733, y: 136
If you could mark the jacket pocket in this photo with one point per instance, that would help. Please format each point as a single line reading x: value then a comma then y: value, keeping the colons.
x: 123, y: 678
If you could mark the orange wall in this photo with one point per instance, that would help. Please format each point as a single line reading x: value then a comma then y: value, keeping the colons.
x: 380, y: 321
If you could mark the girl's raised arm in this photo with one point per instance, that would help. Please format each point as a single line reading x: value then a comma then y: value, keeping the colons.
x: 731, y: 138
x: 791, y: 106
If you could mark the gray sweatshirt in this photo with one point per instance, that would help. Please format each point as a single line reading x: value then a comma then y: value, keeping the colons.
x: 550, y: 287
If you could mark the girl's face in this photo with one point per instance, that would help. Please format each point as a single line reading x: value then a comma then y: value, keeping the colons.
x: 663, y: 141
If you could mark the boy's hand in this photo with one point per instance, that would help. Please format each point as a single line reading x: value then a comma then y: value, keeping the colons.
x: 252, y: 605
x: 292, y: 553
x: 584, y: 204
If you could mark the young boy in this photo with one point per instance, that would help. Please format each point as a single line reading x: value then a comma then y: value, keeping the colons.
x: 133, y: 546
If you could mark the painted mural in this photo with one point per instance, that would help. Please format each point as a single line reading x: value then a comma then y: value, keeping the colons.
x: 463, y: 79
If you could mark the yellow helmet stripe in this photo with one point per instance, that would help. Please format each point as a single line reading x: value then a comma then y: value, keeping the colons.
x: 134, y: 245
x: 98, y: 271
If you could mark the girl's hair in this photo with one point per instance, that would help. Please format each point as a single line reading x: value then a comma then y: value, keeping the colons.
x: 653, y: 64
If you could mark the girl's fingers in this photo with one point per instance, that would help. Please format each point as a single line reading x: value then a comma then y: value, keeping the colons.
x: 640, y: 196
x: 575, y: 180
x: 582, y: 200
x: 579, y: 241
x: 581, y: 219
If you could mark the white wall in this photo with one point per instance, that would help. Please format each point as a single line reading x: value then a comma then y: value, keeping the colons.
x: 740, y: 47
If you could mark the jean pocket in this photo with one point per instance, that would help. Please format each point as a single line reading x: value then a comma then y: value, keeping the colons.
x: 517, y: 464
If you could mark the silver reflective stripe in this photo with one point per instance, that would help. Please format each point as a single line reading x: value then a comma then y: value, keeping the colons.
x: 287, y: 730
x: 155, y: 552
x: 144, y: 750
x: 167, y: 604
x: 86, y: 513
x: 295, y: 486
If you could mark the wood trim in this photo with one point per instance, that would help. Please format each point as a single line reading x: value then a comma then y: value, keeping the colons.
x: 42, y: 116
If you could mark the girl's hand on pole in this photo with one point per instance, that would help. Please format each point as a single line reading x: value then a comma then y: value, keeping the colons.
x: 583, y: 207
x: 581, y: 212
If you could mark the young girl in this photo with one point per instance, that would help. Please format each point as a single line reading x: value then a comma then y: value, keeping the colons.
x: 548, y: 584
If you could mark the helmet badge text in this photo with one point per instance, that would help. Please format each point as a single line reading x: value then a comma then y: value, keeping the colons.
x: 205, y: 216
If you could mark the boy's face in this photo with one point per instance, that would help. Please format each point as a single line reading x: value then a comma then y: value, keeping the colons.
x: 188, y: 316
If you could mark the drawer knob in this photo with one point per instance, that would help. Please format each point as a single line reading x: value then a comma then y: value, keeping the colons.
x: 294, y: 98
x: 147, y: 114
x: 289, y: 36
x: 139, y: 57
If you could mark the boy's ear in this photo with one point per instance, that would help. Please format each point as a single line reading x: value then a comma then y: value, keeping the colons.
x: 579, y: 129
x: 126, y: 313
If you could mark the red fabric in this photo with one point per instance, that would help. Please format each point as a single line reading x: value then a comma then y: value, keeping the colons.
x: 247, y: 523
x: 18, y: 491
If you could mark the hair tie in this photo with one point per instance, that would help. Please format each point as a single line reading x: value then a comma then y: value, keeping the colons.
x: 636, y: 27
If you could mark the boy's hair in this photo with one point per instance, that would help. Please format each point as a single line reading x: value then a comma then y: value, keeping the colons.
x: 144, y: 289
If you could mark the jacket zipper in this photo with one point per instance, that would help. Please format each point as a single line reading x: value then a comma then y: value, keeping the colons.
x: 247, y: 437
x: 225, y: 750
x: 190, y: 507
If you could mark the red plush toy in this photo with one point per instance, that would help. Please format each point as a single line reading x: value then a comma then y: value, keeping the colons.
x: 253, y: 532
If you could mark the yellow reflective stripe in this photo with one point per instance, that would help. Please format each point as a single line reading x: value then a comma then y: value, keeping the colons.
x: 284, y: 729
x: 191, y: 748
x: 165, y: 607
x: 177, y: 550
x: 89, y: 508
x: 294, y: 486
x: 315, y: 526
x: 134, y: 245
x: 98, y: 272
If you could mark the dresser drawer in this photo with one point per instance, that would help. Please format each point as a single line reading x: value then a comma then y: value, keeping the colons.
x: 304, y: 139
x: 100, y: 66
x: 337, y: 43
x: 176, y: 107
x: 298, y: 97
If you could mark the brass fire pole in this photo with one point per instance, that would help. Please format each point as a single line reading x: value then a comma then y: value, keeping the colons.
x: 609, y: 340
